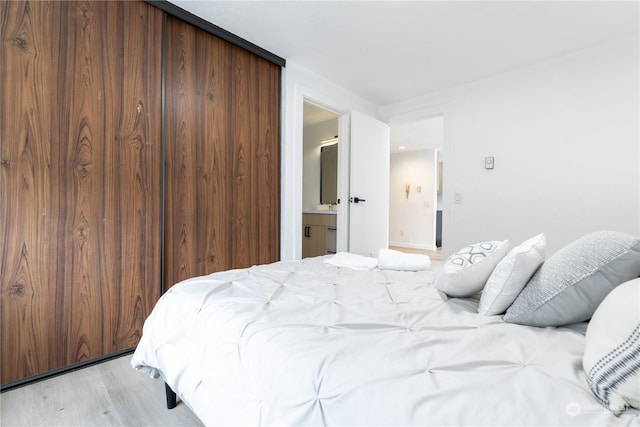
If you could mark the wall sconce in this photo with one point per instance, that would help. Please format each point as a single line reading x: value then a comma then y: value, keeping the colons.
x: 330, y: 141
x: 407, y: 189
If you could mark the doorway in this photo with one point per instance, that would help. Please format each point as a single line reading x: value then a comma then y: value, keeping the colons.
x: 415, y: 197
x: 319, y: 180
x: 362, y: 176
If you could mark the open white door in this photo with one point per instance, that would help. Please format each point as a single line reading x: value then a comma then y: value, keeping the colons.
x: 369, y: 185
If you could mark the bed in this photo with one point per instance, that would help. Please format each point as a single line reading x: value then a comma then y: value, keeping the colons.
x: 308, y: 343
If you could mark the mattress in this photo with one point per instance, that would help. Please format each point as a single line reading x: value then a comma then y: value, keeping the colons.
x: 306, y: 343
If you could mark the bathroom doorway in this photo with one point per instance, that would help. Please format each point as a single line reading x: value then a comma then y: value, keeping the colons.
x: 319, y: 180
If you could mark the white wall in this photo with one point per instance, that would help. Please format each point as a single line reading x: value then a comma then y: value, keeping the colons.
x: 412, y: 218
x: 565, y: 137
x: 313, y: 135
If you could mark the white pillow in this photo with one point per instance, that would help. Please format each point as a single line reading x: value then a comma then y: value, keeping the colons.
x: 511, y: 275
x: 465, y: 272
x: 612, y: 348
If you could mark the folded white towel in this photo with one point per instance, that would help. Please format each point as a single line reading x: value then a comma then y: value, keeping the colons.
x: 353, y: 261
x: 388, y: 259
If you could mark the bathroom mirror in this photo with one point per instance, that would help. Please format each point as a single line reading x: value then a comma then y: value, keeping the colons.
x: 329, y: 174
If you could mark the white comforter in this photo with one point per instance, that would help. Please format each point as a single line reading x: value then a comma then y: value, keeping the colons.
x: 303, y: 343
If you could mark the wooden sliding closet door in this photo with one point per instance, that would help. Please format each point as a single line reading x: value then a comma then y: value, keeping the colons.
x: 222, y: 155
x: 80, y: 189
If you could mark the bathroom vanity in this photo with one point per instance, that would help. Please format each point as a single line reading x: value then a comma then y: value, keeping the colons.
x: 318, y: 233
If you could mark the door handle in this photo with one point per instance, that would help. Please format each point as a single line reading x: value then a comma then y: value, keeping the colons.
x: 356, y: 200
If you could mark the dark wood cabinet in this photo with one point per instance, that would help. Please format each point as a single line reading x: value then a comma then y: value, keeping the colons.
x: 96, y: 206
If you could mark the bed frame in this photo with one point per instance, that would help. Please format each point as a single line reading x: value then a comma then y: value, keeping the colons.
x: 171, y: 396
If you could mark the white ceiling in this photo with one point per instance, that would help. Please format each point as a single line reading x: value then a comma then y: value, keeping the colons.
x: 392, y: 51
x: 417, y: 135
x: 314, y: 114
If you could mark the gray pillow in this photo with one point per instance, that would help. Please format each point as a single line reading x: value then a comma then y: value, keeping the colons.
x: 571, y: 284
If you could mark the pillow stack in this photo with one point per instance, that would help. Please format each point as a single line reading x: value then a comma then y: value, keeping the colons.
x: 487, y: 267
x: 596, y: 277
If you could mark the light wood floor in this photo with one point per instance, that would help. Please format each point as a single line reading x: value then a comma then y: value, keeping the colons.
x: 435, y: 255
x: 109, y: 394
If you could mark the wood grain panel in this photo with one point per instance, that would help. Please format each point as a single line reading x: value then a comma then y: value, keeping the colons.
x: 29, y: 209
x: 255, y: 118
x: 80, y: 190
x: 243, y: 119
x: 268, y: 162
x: 198, y: 130
x: 222, y: 156
x: 212, y: 185
x: 135, y: 171
x: 179, y: 154
x: 80, y: 170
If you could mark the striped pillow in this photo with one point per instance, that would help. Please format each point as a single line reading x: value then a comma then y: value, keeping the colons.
x: 612, y: 350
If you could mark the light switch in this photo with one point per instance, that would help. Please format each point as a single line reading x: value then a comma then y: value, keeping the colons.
x: 457, y: 198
